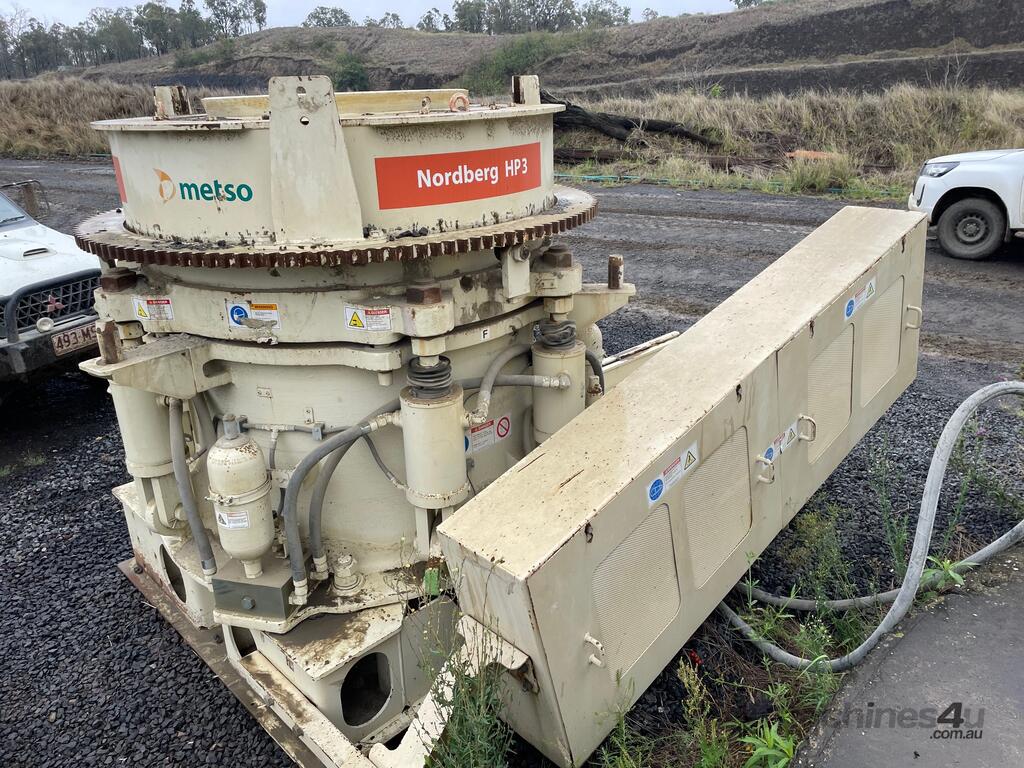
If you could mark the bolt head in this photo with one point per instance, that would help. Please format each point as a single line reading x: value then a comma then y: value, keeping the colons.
x: 248, y: 603
x: 558, y: 255
x: 119, y: 279
x: 423, y: 293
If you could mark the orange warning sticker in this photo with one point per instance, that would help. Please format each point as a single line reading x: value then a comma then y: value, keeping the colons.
x: 454, y: 177
x: 120, y: 179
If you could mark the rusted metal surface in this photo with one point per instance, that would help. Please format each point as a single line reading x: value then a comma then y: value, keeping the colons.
x: 616, y: 271
x: 209, y: 646
x: 106, y: 236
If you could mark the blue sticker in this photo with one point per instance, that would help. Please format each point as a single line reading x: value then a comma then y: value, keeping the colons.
x: 850, y: 306
x: 237, y: 313
x: 654, y: 492
x: 769, y: 453
x: 466, y: 447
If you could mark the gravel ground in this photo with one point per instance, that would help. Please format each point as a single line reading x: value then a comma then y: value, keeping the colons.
x: 94, y: 676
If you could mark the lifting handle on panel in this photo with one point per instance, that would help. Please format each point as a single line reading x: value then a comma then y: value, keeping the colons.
x: 812, y: 433
x: 767, y: 477
x: 913, y: 326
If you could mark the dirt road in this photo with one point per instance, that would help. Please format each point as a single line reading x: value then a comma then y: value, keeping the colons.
x: 93, y: 676
x: 686, y: 251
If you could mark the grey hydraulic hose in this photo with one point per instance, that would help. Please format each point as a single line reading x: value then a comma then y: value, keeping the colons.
x: 904, y: 596
x: 206, y: 427
x: 595, y: 363
x: 483, y: 403
x: 296, y: 556
x: 319, y: 493
x: 183, y: 479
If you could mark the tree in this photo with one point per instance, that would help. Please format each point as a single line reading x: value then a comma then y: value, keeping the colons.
x: 469, y: 15
x: 550, y: 15
x: 195, y: 30
x: 649, y: 14
x: 324, y: 16
x: 350, y: 73
x: 747, y: 3
x: 115, y: 36
x: 389, y: 20
x: 503, y: 17
x: 159, y: 26
x: 259, y: 13
x: 434, y: 21
x: 604, y: 13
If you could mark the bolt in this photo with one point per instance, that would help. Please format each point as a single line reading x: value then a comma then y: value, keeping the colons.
x: 137, y: 568
x: 119, y: 279
x: 558, y: 255
x: 616, y: 271
x: 423, y: 293
x: 248, y: 603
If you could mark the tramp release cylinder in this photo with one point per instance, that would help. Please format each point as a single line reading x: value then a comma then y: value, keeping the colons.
x: 435, y: 458
x: 554, y: 408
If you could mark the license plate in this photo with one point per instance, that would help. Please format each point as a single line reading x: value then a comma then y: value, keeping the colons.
x: 65, y: 342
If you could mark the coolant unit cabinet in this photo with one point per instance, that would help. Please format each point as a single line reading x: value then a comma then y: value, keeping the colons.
x: 620, y: 534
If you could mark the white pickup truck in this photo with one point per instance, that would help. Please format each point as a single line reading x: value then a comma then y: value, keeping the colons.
x: 47, y: 323
x: 975, y: 200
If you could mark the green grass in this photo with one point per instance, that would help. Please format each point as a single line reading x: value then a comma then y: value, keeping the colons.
x: 894, y: 524
x: 349, y: 73
x: 475, y: 735
x: 522, y: 55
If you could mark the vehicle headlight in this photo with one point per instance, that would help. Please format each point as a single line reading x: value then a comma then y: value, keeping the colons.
x: 935, y: 170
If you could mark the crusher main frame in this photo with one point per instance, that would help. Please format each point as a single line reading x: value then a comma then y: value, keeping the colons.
x: 373, y: 435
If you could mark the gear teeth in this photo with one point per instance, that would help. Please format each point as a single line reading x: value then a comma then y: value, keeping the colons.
x: 107, y: 237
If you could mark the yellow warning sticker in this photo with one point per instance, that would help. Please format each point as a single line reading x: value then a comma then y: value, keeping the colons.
x: 368, y: 318
x: 856, y: 301
x: 152, y: 309
x: 355, y: 317
x: 677, y: 469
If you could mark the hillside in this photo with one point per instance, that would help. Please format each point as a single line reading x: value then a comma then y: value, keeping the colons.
x: 785, y: 46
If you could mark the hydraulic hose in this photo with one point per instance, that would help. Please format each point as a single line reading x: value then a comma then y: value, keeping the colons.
x: 483, y: 403
x: 902, y: 598
x: 296, y: 556
x: 595, y: 363
x: 183, y: 479
x: 319, y: 493
x: 335, y: 453
x: 206, y: 426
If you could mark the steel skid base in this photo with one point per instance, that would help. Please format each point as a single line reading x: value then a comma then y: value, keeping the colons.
x: 301, y: 730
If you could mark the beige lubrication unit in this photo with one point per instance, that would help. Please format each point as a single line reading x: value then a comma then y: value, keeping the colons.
x: 371, y: 425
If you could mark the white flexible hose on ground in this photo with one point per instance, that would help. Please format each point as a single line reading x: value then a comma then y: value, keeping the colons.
x: 903, y: 597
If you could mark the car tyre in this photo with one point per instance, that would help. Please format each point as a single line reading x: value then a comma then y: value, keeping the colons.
x: 972, y: 228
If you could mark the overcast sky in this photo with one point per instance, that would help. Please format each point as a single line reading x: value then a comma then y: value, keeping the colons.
x: 282, y: 13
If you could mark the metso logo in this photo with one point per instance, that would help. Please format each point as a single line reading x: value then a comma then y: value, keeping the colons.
x: 194, y: 190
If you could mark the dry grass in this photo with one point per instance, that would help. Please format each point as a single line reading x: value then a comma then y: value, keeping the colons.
x: 49, y: 117
x: 879, y: 140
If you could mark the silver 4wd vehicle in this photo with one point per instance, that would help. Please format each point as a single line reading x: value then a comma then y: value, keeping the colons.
x: 47, y: 323
x: 975, y: 200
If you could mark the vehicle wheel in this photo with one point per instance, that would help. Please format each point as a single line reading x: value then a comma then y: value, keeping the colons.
x: 973, y: 228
